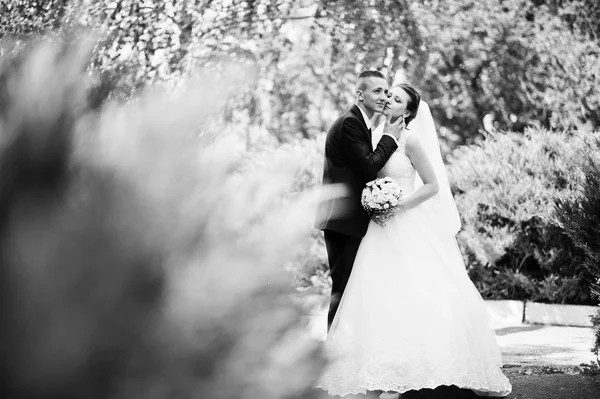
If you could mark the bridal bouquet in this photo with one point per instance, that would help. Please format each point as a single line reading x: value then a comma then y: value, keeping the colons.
x: 381, y: 198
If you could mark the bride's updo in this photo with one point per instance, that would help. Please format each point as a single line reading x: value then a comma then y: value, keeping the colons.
x: 413, y: 104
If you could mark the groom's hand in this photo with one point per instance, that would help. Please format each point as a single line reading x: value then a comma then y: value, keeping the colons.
x: 378, y: 118
x: 394, y: 129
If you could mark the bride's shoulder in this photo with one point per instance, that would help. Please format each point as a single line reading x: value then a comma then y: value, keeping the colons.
x: 408, y: 135
x: 411, y: 141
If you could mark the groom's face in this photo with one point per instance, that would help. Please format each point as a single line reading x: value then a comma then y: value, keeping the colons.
x: 373, y: 94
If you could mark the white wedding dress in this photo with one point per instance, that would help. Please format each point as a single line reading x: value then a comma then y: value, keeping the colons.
x: 410, y: 317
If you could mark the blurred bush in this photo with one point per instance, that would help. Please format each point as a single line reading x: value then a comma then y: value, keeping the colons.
x: 310, y: 268
x: 505, y: 189
x: 141, y: 256
x: 81, y: 278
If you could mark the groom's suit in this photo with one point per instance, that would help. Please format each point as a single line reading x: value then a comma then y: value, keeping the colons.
x: 351, y: 161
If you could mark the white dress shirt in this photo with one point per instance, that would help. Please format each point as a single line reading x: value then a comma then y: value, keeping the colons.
x: 365, y: 117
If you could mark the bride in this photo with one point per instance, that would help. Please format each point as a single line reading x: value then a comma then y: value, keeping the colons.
x: 410, y: 318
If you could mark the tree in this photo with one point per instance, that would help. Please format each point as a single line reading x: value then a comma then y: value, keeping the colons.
x: 482, y: 65
x: 519, y: 63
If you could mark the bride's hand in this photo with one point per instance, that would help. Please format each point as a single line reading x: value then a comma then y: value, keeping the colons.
x: 403, y: 205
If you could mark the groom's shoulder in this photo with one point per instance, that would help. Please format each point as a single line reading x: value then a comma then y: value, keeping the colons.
x: 351, y: 113
x: 348, y: 117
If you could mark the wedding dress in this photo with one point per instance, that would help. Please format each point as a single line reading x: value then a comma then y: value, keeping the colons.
x: 410, y: 317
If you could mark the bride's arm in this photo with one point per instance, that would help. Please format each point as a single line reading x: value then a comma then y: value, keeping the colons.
x: 414, y: 151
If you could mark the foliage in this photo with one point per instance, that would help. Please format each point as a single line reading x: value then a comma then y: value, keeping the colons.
x: 580, y: 16
x: 137, y: 43
x: 596, y: 327
x: 505, y: 189
x: 579, y: 214
x: 138, y: 259
x: 510, y: 62
x: 579, y: 217
x: 308, y: 70
x: 484, y: 64
x: 513, y: 62
x: 25, y: 18
x: 310, y: 267
x: 591, y: 368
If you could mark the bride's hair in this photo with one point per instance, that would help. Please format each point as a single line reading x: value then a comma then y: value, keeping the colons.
x: 413, y: 104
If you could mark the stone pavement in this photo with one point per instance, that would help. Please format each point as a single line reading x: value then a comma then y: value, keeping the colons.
x: 544, y: 361
x: 528, y: 345
x: 553, y: 386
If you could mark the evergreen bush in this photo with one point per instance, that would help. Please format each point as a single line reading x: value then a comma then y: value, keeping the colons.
x: 596, y: 328
x: 505, y: 188
x: 579, y: 217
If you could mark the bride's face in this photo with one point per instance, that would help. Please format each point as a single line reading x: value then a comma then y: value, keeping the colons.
x: 397, y: 103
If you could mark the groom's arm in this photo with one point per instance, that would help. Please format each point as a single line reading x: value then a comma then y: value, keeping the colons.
x: 357, y: 150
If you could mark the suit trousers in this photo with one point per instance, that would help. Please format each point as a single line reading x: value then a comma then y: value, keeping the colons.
x: 341, y: 252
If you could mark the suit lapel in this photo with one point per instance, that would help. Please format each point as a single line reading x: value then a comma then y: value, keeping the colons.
x: 357, y: 112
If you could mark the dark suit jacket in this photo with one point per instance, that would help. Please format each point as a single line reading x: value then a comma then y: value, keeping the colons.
x: 351, y: 161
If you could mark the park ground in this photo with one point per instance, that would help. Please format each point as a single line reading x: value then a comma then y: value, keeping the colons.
x: 541, y: 361
x: 545, y: 361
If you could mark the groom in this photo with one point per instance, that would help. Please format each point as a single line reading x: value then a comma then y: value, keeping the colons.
x: 350, y: 160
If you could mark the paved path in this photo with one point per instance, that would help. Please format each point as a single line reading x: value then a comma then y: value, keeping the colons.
x: 539, y: 345
x: 541, y: 361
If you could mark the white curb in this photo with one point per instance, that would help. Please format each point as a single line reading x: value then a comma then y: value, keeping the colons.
x: 561, y: 315
x: 505, y: 313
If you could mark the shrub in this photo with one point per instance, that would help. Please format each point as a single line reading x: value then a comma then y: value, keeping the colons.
x: 310, y: 268
x: 505, y: 188
x: 596, y: 328
x: 579, y: 217
x: 579, y: 214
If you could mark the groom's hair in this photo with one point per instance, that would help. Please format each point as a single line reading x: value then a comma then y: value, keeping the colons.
x: 361, y: 83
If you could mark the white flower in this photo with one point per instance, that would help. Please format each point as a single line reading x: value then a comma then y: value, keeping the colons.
x: 380, y: 194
